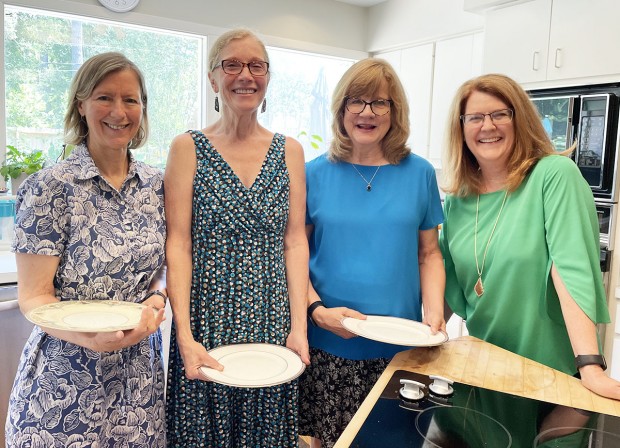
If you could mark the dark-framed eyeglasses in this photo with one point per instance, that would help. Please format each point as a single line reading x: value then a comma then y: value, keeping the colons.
x: 234, y: 67
x: 502, y: 116
x: 357, y: 106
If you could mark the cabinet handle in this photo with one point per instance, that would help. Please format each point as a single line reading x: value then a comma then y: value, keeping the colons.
x: 558, y: 58
x: 535, y: 60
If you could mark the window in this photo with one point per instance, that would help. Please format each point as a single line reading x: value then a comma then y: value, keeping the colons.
x: 299, y: 96
x: 44, y: 50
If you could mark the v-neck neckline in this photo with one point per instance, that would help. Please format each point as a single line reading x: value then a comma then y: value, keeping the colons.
x: 234, y: 173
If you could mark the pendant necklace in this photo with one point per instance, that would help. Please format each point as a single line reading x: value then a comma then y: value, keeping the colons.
x: 479, y: 287
x: 368, y: 182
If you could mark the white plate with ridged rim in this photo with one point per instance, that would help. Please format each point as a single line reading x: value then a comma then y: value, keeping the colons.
x: 394, y: 330
x: 90, y: 316
x: 254, y: 365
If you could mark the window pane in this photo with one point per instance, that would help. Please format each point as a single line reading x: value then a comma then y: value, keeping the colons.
x: 43, y: 51
x: 299, y: 96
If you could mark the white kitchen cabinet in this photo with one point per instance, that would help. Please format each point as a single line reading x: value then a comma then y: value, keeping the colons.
x: 431, y: 73
x: 456, y: 60
x: 546, y: 40
x: 516, y: 41
x: 414, y: 66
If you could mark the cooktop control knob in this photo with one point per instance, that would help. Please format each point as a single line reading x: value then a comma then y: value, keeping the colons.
x: 441, y: 386
x: 411, y: 390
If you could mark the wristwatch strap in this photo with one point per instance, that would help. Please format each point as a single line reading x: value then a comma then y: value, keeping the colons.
x: 586, y: 360
x: 311, y: 309
x: 155, y: 292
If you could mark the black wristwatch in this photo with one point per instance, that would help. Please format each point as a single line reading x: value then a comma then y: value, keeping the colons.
x: 311, y: 309
x: 155, y: 292
x: 586, y: 360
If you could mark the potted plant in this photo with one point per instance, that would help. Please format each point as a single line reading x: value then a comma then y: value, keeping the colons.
x: 20, y: 164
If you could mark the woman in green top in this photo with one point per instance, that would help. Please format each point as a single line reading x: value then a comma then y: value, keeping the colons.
x: 520, y: 237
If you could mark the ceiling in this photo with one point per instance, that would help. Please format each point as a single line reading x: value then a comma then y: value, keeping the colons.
x: 362, y: 2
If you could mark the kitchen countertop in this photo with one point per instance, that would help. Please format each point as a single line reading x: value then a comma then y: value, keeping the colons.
x: 471, y: 361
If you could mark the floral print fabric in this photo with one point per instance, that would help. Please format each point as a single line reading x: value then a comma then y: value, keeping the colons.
x: 110, y: 244
x: 239, y: 294
x: 331, y: 391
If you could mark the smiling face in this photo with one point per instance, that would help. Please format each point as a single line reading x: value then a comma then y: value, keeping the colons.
x: 490, y: 143
x: 243, y: 92
x: 366, y: 130
x: 113, y: 111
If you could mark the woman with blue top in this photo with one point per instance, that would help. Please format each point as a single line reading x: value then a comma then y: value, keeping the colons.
x: 373, y: 210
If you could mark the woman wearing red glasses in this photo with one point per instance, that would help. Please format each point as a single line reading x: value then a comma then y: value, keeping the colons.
x: 237, y: 257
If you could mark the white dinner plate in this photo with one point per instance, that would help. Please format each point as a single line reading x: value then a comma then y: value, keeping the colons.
x: 394, y: 330
x: 88, y: 315
x: 254, y: 365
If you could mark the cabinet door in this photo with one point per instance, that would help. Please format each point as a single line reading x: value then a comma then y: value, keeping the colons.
x: 414, y: 66
x: 584, y: 39
x: 456, y: 61
x: 516, y: 40
x: 417, y: 78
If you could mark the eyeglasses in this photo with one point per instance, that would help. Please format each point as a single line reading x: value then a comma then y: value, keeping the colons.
x: 502, y: 116
x: 378, y: 107
x: 234, y: 67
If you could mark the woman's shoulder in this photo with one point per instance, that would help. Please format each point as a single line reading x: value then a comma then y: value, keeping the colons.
x: 318, y: 162
x: 415, y: 161
x: 556, y: 165
x: 147, y: 171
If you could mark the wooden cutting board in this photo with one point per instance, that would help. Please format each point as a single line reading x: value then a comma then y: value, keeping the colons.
x: 471, y: 361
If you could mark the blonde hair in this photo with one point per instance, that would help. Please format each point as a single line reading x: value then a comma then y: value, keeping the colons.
x: 225, y: 39
x: 87, y: 78
x: 530, y: 145
x: 366, y: 78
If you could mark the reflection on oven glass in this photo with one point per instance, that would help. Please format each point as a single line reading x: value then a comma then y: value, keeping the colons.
x: 474, y: 417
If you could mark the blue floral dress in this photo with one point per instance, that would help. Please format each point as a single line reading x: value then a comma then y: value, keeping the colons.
x: 110, y: 244
x: 239, y: 294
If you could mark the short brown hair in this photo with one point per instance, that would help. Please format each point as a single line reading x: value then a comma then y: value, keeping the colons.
x: 531, y: 140
x: 366, y: 77
x: 86, y: 79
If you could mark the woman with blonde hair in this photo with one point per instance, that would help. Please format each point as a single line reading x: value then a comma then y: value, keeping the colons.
x: 520, y: 238
x: 372, y: 213
x: 91, y: 229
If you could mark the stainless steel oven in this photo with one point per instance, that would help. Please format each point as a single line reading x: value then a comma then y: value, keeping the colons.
x: 589, y: 116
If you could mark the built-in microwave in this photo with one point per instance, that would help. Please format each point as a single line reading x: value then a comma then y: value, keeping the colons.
x: 587, y: 115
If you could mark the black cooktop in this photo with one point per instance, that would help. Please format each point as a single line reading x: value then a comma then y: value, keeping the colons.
x: 451, y: 415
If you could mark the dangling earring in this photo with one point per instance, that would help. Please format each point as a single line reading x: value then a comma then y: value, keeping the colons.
x: 264, y: 107
x: 217, y: 104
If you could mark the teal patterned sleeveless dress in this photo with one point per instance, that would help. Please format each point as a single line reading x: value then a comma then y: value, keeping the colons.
x: 239, y: 294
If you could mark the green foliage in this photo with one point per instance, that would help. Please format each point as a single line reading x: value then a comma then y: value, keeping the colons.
x: 315, y: 140
x: 18, y: 162
x: 43, y: 52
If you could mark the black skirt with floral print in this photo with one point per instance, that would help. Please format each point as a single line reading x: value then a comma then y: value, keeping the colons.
x: 331, y: 390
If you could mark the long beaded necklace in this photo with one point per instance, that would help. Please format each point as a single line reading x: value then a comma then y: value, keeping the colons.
x: 479, y: 287
x: 368, y: 182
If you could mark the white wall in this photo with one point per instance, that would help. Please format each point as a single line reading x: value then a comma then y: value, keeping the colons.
x: 400, y: 23
x: 287, y: 23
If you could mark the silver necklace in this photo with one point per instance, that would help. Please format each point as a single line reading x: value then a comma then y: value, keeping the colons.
x: 479, y: 287
x: 368, y: 182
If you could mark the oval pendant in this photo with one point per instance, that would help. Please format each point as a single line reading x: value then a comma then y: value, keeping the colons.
x: 368, y: 187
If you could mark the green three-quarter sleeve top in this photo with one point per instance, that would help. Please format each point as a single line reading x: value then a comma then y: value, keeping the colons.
x: 550, y: 219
